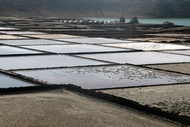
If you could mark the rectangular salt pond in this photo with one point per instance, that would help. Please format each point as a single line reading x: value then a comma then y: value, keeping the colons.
x: 44, y: 61
x: 182, y: 52
x: 21, y: 32
x: 10, y: 37
x: 93, y: 40
x: 148, y: 46
x: 53, y: 36
x: 7, y: 50
x: 106, y: 77
x: 79, y: 48
x: 139, y: 58
x: 31, y: 42
x: 8, y: 28
x: 8, y: 82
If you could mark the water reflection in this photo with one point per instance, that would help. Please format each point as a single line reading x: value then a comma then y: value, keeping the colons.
x: 182, y: 52
x: 31, y: 42
x: 79, y: 48
x: 94, y: 40
x: 7, y: 82
x: 44, y: 61
x: 139, y: 58
x: 106, y: 77
x: 6, y: 50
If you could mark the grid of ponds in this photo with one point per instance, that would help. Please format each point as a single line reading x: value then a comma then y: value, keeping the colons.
x: 98, y: 67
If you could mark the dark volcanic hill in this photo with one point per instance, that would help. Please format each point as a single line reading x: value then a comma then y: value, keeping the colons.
x: 96, y: 8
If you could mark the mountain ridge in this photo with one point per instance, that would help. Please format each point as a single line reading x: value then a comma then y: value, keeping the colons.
x: 98, y: 8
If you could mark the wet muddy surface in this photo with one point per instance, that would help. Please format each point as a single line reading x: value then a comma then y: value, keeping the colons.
x: 8, y: 82
x: 139, y: 58
x: 44, y: 61
x: 106, y: 77
x: 79, y: 48
x: 149, y: 46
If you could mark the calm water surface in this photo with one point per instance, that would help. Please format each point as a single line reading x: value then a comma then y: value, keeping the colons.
x: 176, y: 21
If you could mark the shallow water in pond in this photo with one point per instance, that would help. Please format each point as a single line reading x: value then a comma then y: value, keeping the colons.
x: 31, y: 42
x: 21, y: 32
x: 7, y: 82
x: 79, y: 48
x: 182, y: 52
x: 139, y: 58
x: 52, y: 36
x: 44, y: 61
x: 106, y: 77
x: 7, y: 28
x: 93, y: 40
x: 7, y: 50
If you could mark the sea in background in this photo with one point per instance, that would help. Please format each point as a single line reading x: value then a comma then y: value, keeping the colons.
x: 176, y: 21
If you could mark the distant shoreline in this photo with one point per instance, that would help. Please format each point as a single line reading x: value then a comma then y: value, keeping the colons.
x: 176, y: 21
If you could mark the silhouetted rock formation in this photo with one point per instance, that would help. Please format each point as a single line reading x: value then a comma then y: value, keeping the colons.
x: 134, y: 20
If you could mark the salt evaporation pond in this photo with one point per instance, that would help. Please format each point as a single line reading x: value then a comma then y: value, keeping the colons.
x: 79, y: 48
x: 31, y: 42
x: 7, y: 50
x: 106, y: 76
x: 9, y: 82
x: 139, y: 58
x: 93, y: 40
x: 181, y: 52
x: 44, y: 61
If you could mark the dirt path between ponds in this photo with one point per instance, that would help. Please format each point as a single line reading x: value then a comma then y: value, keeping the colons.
x: 63, y: 108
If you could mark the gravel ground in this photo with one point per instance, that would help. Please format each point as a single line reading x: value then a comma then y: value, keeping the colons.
x: 173, y: 98
x: 157, y: 39
x: 183, y: 68
x: 62, y: 108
